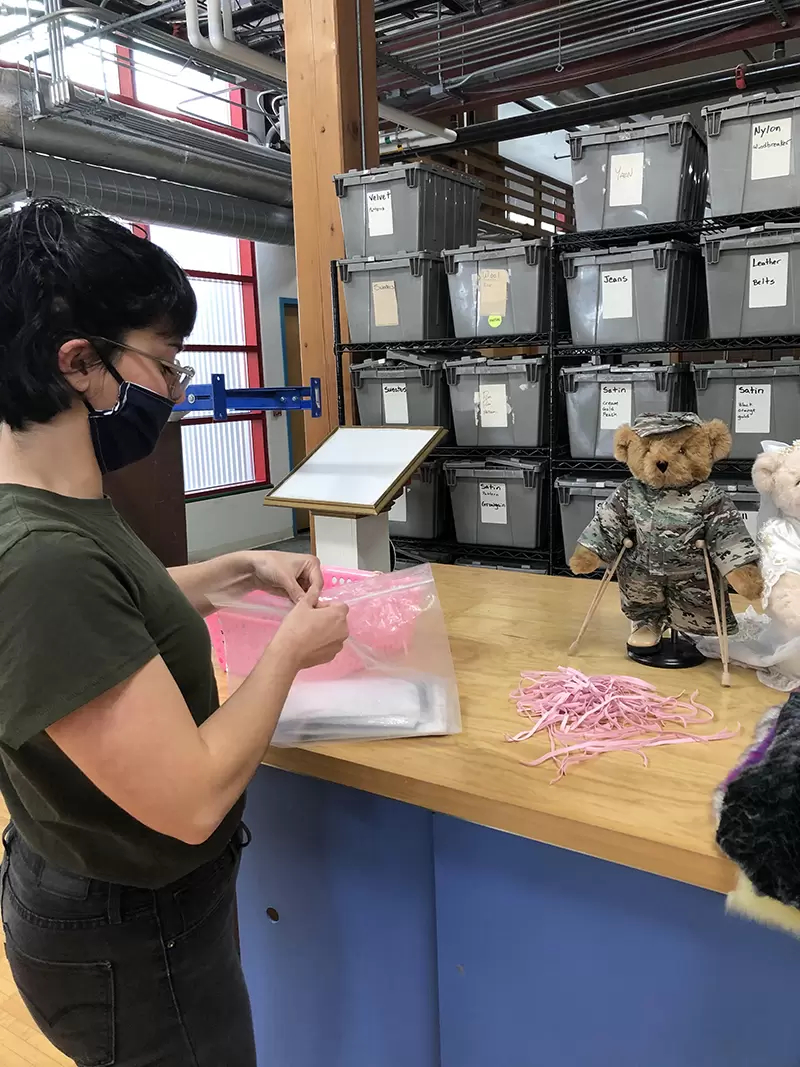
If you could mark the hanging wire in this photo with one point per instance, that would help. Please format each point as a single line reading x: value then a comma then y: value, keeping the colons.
x: 559, y: 65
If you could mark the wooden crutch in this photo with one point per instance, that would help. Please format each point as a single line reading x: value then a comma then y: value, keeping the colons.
x: 598, y: 596
x: 720, y: 613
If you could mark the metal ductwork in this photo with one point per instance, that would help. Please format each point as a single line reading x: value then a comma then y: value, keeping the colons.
x: 105, y: 134
x: 140, y: 199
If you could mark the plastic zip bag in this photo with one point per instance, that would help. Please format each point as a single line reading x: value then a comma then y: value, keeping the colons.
x: 393, y: 678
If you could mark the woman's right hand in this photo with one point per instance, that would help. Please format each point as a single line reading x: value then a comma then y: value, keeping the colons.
x: 312, y: 633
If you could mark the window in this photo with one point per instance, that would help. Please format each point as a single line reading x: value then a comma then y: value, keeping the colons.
x: 92, y: 64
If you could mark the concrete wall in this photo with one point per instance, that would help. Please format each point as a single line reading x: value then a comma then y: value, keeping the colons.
x: 240, y: 520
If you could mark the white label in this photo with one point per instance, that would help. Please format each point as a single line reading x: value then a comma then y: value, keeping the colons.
x: 769, y: 280
x: 753, y: 406
x: 493, y: 406
x: 395, y: 404
x: 625, y: 179
x: 492, y: 293
x: 750, y: 519
x: 771, y: 149
x: 380, y: 221
x: 493, y: 503
x: 617, y: 294
x: 616, y: 402
x: 399, y: 512
x: 384, y: 304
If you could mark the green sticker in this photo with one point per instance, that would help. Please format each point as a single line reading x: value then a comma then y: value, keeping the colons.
x: 495, y: 321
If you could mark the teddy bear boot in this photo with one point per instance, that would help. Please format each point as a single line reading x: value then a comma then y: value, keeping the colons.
x: 644, y: 637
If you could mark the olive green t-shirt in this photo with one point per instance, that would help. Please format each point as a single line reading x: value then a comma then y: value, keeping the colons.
x: 83, y: 606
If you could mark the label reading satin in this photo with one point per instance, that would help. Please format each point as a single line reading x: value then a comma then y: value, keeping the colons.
x: 615, y: 405
x: 493, y: 406
x: 380, y: 220
x: 753, y: 407
x: 399, y: 512
x: 384, y: 304
x: 750, y: 519
x: 769, y: 280
x: 395, y: 404
x: 493, y: 503
x: 625, y: 179
x: 771, y: 149
x: 617, y: 294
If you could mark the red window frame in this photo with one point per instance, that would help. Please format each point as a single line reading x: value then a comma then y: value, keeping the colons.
x: 246, y: 278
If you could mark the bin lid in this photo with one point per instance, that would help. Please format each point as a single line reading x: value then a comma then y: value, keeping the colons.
x: 625, y: 371
x: 765, y: 103
x: 768, y: 236
x: 737, y: 488
x: 492, y: 467
x: 485, y: 365
x: 355, y: 264
x: 494, y: 250
x: 385, y: 368
x: 658, y: 126
x: 785, y: 367
x: 624, y: 253
x: 586, y: 485
x: 396, y: 172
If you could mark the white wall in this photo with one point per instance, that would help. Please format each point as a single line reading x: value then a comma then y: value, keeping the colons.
x: 240, y: 520
x: 545, y: 152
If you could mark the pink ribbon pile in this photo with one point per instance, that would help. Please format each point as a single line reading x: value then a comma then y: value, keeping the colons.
x: 586, y: 716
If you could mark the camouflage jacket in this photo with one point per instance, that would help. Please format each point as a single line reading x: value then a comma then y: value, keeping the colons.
x: 664, y: 525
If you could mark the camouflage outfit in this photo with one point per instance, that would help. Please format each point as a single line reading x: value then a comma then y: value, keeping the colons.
x: 662, y: 579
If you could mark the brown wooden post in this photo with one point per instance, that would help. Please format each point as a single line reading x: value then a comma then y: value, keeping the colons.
x: 325, y: 134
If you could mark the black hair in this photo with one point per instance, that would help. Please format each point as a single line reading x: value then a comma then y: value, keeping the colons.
x: 67, y: 272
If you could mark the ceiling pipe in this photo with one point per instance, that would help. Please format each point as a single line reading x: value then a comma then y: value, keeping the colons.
x: 652, y: 99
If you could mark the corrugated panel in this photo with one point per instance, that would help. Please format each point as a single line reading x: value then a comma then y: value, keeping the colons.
x: 232, y: 364
x: 171, y: 85
x: 217, y: 454
x: 195, y: 250
x: 220, y: 313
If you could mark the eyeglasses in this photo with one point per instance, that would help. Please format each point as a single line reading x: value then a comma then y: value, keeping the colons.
x: 178, y: 374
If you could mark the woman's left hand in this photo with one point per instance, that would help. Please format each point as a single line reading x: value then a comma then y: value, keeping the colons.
x: 288, y: 575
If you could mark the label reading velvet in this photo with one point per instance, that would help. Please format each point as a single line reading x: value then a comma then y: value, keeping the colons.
x: 493, y: 503
x: 753, y: 408
x: 380, y: 221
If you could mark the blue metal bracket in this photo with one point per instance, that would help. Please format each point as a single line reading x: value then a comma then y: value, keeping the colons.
x: 222, y: 402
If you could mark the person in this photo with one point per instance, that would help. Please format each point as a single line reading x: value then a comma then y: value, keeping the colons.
x: 123, y: 775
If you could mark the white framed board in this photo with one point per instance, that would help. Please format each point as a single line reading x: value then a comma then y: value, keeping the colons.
x: 357, y: 470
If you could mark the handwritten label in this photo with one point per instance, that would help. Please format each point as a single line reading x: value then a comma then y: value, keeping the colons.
x: 492, y: 293
x: 380, y: 221
x: 753, y: 408
x: 769, y: 280
x: 771, y: 149
x: 617, y: 296
x: 399, y: 511
x: 494, y: 510
x: 616, y: 403
x: 493, y: 406
x: 625, y: 179
x: 384, y: 304
x: 395, y: 404
x: 750, y: 519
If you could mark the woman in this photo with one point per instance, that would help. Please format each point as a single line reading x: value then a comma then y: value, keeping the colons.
x: 123, y: 775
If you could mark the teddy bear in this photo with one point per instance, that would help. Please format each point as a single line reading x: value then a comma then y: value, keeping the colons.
x: 665, y: 509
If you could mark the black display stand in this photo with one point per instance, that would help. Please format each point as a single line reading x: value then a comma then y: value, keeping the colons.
x: 673, y: 653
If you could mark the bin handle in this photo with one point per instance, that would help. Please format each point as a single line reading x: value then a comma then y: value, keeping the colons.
x: 415, y: 262
x: 449, y: 264
x: 576, y: 148
x: 533, y: 255
x: 676, y: 133
x: 701, y: 378
x: 712, y: 253
x: 570, y: 268
x: 338, y: 183
x: 344, y: 271
x: 714, y: 123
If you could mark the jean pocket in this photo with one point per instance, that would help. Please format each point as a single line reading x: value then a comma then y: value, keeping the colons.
x: 71, y: 1003
x: 206, y: 890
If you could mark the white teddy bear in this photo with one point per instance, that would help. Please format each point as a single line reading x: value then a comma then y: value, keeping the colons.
x: 771, y: 642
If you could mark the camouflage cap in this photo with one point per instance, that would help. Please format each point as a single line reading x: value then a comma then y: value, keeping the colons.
x: 665, y: 422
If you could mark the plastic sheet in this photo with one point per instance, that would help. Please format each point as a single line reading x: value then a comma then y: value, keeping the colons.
x: 393, y: 678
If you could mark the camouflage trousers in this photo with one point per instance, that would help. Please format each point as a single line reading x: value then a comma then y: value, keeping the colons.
x: 682, y: 601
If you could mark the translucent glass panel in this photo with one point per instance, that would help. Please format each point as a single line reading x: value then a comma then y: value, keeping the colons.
x: 195, y: 250
x: 170, y: 85
x: 217, y: 454
x: 232, y: 364
x: 93, y: 64
x: 220, y: 313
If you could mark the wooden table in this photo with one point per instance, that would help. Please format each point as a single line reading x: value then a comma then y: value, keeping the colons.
x: 657, y: 818
x: 386, y: 921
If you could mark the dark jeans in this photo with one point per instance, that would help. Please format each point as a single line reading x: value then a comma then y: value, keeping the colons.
x: 129, y: 977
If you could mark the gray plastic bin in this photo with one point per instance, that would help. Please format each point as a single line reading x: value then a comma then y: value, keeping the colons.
x: 497, y: 401
x: 578, y: 500
x: 401, y: 390
x: 399, y: 298
x: 600, y: 399
x: 632, y: 295
x: 498, y: 289
x: 407, y: 207
x: 754, y: 153
x: 421, y: 510
x: 747, y: 500
x: 758, y: 401
x: 524, y: 568
x: 753, y: 280
x: 496, y: 502
x: 638, y: 173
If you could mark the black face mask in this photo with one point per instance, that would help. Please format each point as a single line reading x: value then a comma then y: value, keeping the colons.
x: 130, y: 430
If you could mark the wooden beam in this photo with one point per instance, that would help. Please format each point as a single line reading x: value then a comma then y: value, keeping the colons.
x: 325, y: 133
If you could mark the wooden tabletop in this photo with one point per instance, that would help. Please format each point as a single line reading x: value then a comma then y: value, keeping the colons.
x: 657, y: 819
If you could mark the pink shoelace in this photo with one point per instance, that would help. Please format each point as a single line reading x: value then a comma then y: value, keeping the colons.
x: 587, y: 716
